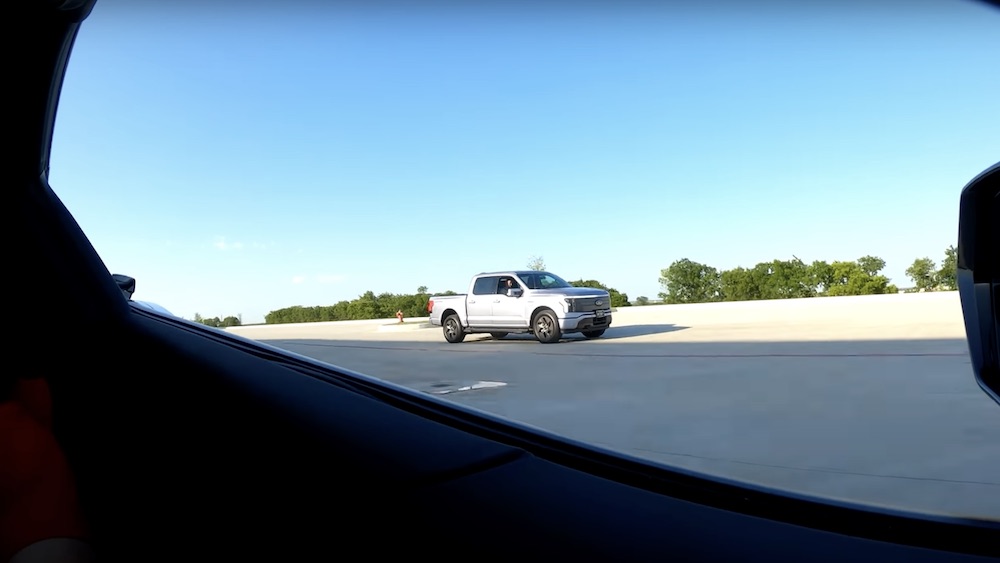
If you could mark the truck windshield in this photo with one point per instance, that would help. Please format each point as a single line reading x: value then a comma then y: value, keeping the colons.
x: 542, y: 280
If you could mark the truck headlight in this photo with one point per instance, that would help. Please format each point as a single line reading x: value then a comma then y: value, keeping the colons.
x: 569, y: 304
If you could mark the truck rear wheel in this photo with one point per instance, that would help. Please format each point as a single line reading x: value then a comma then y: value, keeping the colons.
x: 452, y: 329
x: 546, y: 327
x: 498, y: 335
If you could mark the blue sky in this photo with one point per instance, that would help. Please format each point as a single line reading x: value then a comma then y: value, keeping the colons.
x: 239, y: 161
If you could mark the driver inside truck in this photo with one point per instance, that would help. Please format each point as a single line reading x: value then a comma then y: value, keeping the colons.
x: 507, y: 284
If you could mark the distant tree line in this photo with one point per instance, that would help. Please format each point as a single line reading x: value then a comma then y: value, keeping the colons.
x: 687, y: 281
x: 214, y: 321
x: 367, y: 306
x: 684, y: 281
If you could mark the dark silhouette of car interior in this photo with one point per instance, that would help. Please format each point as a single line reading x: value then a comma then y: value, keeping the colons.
x: 192, y: 444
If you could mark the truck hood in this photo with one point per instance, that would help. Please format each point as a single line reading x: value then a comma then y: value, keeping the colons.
x: 574, y: 292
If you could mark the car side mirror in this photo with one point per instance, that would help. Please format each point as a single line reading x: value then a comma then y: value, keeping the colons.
x: 125, y: 283
x: 978, y: 275
x: 515, y: 292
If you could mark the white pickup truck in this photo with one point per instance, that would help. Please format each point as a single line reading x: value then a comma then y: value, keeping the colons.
x: 530, y: 301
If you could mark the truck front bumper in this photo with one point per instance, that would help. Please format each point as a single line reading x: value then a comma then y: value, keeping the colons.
x: 579, y: 322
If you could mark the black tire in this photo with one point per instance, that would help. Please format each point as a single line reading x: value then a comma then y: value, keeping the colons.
x: 594, y: 333
x: 452, y: 329
x: 498, y: 335
x: 545, y: 325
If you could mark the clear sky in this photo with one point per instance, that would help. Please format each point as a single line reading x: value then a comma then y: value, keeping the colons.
x: 241, y: 157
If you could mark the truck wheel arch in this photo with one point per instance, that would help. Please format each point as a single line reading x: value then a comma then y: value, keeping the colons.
x: 534, y: 314
x: 556, y: 333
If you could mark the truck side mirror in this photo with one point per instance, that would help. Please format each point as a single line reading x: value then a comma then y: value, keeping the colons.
x: 125, y: 283
x: 978, y: 275
x: 515, y: 292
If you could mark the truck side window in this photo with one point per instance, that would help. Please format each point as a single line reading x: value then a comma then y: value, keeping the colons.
x: 486, y: 285
x: 502, y: 285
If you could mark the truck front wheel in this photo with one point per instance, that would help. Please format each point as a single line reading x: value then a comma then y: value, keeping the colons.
x: 546, y: 327
x: 452, y: 329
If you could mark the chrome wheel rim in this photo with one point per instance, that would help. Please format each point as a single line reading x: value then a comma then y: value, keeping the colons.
x: 543, y: 326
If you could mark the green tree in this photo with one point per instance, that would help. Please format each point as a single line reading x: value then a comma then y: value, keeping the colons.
x: 422, y: 290
x: 787, y: 279
x: 340, y: 311
x: 231, y: 321
x: 947, y: 276
x: 777, y: 279
x: 536, y: 263
x: 687, y: 281
x: 739, y: 284
x: 642, y: 300
x: 871, y: 265
x: 859, y: 278
x: 364, y: 307
x: 923, y: 274
x: 821, y: 276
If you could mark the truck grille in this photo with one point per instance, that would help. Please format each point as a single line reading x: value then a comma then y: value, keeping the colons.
x: 587, y: 304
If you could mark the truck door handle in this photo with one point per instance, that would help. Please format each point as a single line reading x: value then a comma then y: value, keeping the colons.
x: 472, y: 301
x: 496, y: 300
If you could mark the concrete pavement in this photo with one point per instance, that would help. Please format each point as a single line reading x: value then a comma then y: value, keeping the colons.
x: 869, y: 399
